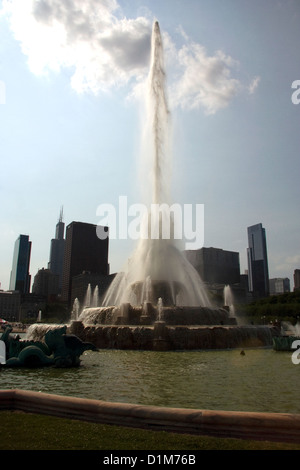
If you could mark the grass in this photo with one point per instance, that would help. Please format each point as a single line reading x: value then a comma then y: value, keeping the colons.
x: 26, y: 431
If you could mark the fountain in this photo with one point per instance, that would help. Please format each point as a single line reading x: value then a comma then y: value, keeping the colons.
x: 228, y: 299
x: 157, y: 269
x: 159, y: 300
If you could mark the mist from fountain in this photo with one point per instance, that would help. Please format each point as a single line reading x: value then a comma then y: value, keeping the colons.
x: 287, y: 328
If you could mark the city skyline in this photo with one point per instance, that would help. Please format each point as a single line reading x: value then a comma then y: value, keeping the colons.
x: 256, y: 252
x: 70, y: 127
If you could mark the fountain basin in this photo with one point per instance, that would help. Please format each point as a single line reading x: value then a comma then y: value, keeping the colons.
x: 150, y: 327
x: 163, y: 337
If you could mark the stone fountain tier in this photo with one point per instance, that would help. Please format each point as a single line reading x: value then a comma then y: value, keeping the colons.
x: 162, y: 337
x: 173, y: 328
x: 147, y: 314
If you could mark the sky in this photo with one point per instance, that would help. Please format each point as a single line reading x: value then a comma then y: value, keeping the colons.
x: 71, y: 88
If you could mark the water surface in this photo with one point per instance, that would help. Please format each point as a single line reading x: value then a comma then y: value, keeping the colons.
x: 261, y: 380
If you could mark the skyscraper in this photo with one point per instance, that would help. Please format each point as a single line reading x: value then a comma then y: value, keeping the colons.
x: 258, y: 271
x: 84, y: 251
x: 19, y: 276
x: 57, y: 250
x: 215, y: 265
x: 296, y: 279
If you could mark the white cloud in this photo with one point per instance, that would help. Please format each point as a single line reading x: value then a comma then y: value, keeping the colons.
x: 102, y: 50
x: 205, y: 81
x: 85, y: 36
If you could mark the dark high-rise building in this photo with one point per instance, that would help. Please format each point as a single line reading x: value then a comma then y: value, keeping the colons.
x: 258, y: 271
x: 57, y: 250
x: 19, y: 276
x: 10, y: 303
x: 46, y: 284
x: 296, y: 279
x: 215, y: 266
x: 84, y: 251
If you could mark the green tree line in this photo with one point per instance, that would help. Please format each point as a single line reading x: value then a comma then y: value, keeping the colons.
x: 283, y: 307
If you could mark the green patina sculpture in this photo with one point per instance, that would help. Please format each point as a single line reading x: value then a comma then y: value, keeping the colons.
x: 284, y: 343
x: 59, y: 349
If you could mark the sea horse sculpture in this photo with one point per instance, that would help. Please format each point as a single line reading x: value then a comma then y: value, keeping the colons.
x: 59, y: 349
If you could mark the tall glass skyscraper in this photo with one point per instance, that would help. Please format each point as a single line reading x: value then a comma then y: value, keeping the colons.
x: 19, y: 276
x: 258, y: 271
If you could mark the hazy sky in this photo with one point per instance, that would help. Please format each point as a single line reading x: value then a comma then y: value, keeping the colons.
x: 71, y: 75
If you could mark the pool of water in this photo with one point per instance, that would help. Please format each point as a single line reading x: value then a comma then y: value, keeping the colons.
x: 260, y: 380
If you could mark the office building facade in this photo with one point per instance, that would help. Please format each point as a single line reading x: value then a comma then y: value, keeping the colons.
x: 10, y: 302
x: 19, y: 276
x: 84, y: 251
x: 279, y: 285
x: 215, y: 266
x: 258, y: 271
x: 46, y: 284
x: 296, y: 279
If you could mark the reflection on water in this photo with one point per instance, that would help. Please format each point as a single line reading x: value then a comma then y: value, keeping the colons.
x: 262, y: 380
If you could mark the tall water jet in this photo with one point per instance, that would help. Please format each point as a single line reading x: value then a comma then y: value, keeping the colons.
x: 75, y: 310
x: 228, y: 299
x: 147, y: 290
x: 95, y: 300
x: 160, y: 309
x: 88, y: 297
x: 157, y: 257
